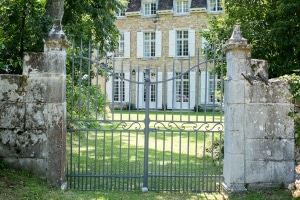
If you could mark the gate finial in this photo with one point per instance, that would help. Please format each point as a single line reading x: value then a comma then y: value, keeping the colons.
x: 236, y: 37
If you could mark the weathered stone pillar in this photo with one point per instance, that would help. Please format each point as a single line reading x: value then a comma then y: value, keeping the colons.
x: 259, y: 134
x: 238, y: 55
x: 55, y: 74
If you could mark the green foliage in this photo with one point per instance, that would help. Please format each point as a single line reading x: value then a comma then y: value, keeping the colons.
x: 272, y: 27
x: 197, y: 108
x: 294, y: 89
x: 84, y: 102
x: 216, y: 147
x: 24, y: 25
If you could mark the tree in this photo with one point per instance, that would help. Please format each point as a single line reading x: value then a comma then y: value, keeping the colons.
x: 25, y: 24
x: 271, y: 26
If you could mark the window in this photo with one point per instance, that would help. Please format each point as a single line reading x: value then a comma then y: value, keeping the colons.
x: 149, y: 44
x: 119, y: 87
x: 121, y: 13
x: 182, y: 6
x: 182, y: 87
x: 182, y: 43
x: 119, y: 52
x: 209, y: 87
x: 213, y: 86
x: 149, y: 9
x: 215, y: 5
x: 123, y: 48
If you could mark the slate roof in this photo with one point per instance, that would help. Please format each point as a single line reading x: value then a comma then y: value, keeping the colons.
x: 135, y: 5
x: 198, y: 4
x: 165, y: 5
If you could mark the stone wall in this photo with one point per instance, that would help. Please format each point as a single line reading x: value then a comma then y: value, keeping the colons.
x: 259, y: 134
x: 33, y: 116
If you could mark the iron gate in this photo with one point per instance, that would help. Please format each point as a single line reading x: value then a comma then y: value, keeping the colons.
x: 155, y: 128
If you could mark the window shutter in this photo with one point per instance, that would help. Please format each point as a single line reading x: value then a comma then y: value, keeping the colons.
x: 109, y: 88
x: 139, y: 46
x: 172, y: 43
x: 192, y: 89
x: 159, y: 91
x: 204, y: 42
x: 126, y: 44
x: 158, y: 38
x: 140, y: 90
x: 127, y: 76
x: 191, y: 42
x: 170, y: 93
x: 204, y: 87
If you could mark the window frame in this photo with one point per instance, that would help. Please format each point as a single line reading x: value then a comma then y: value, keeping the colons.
x: 120, y: 51
x: 119, y: 87
x: 184, y: 8
x: 216, y: 4
x: 149, y: 44
x: 182, y: 42
x: 150, y: 9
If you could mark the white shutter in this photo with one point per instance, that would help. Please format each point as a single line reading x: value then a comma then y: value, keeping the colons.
x: 159, y: 91
x: 192, y: 89
x: 204, y: 86
x: 192, y: 42
x: 204, y: 42
x: 172, y: 43
x: 126, y: 44
x: 109, y: 89
x: 139, y: 45
x: 126, y: 83
x: 158, y: 38
x: 171, y: 92
x: 140, y: 91
x: 109, y: 54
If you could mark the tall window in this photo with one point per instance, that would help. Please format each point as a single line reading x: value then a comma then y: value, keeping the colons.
x: 119, y: 87
x: 213, y: 86
x: 182, y: 6
x: 119, y: 52
x: 149, y: 44
x: 150, y: 8
x: 182, y: 43
x: 152, y: 93
x: 182, y: 88
x: 215, y: 5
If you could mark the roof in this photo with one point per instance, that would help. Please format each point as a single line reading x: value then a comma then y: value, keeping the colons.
x: 198, y: 4
x: 135, y: 5
x: 165, y: 5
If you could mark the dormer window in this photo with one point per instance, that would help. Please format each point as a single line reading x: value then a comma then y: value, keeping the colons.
x: 121, y: 13
x: 215, y: 6
x: 182, y: 6
x: 149, y: 9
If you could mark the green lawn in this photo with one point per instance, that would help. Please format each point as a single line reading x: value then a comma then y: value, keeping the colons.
x: 182, y: 154
x: 20, y: 185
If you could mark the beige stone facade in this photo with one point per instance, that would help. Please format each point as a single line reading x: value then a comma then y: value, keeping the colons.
x: 170, y: 43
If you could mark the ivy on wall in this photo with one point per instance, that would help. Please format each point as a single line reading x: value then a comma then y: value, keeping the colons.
x: 294, y: 89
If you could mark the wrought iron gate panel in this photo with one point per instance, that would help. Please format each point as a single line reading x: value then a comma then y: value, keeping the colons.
x: 131, y: 143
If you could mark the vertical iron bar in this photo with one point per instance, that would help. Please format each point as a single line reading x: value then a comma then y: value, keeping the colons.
x: 146, y: 130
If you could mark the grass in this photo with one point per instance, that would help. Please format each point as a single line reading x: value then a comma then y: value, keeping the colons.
x: 21, y: 185
x: 111, y: 156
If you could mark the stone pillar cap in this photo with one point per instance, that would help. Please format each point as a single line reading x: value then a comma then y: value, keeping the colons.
x: 236, y: 37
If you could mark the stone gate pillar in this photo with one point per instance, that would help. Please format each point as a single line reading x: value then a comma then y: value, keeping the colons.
x: 259, y: 134
x: 238, y: 56
x: 55, y: 74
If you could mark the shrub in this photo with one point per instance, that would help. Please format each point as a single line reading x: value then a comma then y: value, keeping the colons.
x: 198, y: 108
